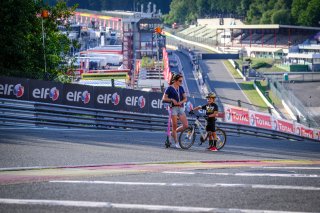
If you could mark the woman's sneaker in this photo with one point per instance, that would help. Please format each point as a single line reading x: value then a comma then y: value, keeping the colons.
x: 177, y: 145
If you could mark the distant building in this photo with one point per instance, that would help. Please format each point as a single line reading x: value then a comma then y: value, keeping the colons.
x: 136, y: 30
x: 305, y: 54
x: 261, y: 41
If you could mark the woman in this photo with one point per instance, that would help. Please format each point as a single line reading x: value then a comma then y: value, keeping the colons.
x: 177, y: 96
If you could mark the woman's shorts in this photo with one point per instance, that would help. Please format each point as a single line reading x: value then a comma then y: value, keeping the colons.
x: 211, y: 127
x: 177, y: 111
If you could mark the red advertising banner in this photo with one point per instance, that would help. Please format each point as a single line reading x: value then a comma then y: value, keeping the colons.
x: 261, y: 120
x: 304, y: 131
x: 166, y: 69
x: 285, y: 126
x: 236, y: 115
x: 316, y: 134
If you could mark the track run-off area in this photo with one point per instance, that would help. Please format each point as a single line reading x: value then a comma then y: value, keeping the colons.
x: 68, y: 170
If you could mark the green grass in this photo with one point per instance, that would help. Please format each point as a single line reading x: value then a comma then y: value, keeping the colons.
x: 249, y: 90
x: 232, y: 70
x: 247, y: 87
x: 262, y: 64
x: 275, y: 100
x: 262, y: 85
x: 272, y: 98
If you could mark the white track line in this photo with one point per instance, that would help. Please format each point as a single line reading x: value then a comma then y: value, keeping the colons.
x: 251, y: 186
x: 297, y: 168
x: 247, y: 174
x: 93, y: 204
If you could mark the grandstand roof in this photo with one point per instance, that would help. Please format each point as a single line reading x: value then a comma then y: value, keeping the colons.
x: 264, y: 49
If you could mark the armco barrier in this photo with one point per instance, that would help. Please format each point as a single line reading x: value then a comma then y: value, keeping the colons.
x: 219, y: 56
x: 36, y: 114
x: 30, y: 114
x: 243, y: 116
x: 96, y: 105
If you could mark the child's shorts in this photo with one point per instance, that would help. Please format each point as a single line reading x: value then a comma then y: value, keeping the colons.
x: 211, y: 127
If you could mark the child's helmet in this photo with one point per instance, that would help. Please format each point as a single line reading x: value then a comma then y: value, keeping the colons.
x: 211, y: 95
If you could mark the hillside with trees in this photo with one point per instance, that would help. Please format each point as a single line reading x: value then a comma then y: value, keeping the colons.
x: 289, y: 12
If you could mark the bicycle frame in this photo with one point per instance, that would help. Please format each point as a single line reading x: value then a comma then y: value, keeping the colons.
x: 201, y: 127
x: 187, y: 136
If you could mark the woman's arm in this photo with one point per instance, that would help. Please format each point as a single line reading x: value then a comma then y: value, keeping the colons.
x: 165, y: 98
x: 184, y: 100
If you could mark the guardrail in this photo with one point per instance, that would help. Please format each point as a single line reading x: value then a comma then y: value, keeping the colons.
x: 295, y: 76
x: 295, y: 105
x: 19, y: 113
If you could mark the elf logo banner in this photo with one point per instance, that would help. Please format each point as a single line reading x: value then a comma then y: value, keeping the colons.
x: 156, y: 104
x: 45, y: 93
x: 136, y: 101
x: 11, y: 89
x: 76, y: 96
x: 109, y: 98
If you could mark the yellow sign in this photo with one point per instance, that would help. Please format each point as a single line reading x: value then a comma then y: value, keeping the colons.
x: 102, y: 76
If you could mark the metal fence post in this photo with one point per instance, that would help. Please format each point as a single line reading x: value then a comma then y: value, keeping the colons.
x: 239, y: 103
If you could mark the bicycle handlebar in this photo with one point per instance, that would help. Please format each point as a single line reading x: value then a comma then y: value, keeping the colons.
x: 198, y: 115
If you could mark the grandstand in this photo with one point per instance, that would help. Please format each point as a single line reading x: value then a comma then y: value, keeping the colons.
x: 192, y: 30
x: 204, y: 34
x: 211, y: 34
x: 268, y: 41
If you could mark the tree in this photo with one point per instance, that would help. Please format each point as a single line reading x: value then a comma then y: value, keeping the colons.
x: 202, y: 7
x: 297, y: 7
x: 281, y: 17
x: 266, y: 17
x: 306, y: 12
x: 178, y: 12
x: 253, y: 14
x: 243, y: 7
x: 310, y: 16
x: 21, y: 50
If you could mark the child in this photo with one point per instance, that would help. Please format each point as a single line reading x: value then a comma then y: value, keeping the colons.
x: 211, y: 111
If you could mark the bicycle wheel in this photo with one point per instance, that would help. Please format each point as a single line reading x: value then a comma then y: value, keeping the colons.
x: 186, y: 138
x: 222, y: 138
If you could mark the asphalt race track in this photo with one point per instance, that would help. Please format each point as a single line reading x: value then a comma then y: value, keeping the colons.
x: 55, y: 170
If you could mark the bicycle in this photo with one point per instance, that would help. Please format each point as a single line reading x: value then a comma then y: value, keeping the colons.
x: 188, y: 135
